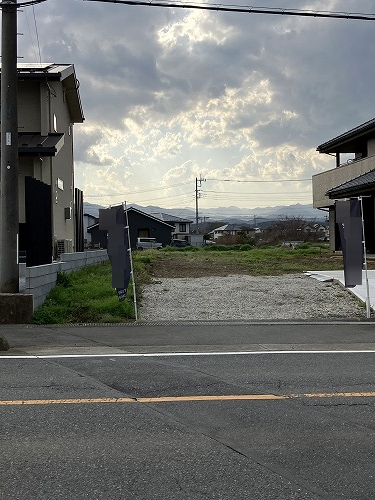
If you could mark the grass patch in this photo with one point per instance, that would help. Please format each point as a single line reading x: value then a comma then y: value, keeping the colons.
x: 87, y: 296
x: 269, y: 261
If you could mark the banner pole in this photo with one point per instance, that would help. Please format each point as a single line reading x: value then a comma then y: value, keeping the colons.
x: 368, y: 305
x: 131, y: 261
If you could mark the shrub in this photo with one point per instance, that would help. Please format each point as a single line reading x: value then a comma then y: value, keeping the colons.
x: 63, y: 279
x: 302, y: 246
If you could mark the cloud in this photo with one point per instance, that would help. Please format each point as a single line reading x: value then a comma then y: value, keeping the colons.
x: 172, y: 93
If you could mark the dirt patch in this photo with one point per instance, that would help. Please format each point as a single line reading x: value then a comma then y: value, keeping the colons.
x: 166, y: 266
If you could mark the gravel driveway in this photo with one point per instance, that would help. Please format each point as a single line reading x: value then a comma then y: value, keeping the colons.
x: 241, y: 297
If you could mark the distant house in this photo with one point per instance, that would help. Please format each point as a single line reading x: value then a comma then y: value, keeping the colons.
x: 230, y: 229
x: 355, y: 177
x: 181, y: 226
x: 50, y: 207
x: 88, y: 221
x: 319, y: 231
x: 140, y: 225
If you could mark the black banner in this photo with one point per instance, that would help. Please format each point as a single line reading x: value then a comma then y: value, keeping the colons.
x: 349, y: 220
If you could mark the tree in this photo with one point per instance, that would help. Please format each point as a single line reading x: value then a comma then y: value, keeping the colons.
x: 290, y: 229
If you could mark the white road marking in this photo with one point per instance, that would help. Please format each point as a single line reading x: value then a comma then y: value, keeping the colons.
x: 184, y: 354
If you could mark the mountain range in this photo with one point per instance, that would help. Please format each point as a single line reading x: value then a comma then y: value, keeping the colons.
x: 230, y: 214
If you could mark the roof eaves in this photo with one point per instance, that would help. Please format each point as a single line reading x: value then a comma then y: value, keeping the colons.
x: 347, y: 136
x: 149, y: 215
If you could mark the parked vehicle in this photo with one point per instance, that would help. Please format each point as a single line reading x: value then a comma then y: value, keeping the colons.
x: 180, y: 243
x: 147, y: 243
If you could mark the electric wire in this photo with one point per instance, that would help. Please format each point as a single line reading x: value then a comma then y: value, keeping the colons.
x: 279, y: 180
x: 37, y: 36
x: 248, y: 9
x: 247, y: 194
x: 138, y: 192
x: 31, y: 37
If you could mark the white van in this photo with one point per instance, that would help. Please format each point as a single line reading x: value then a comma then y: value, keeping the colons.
x: 147, y: 243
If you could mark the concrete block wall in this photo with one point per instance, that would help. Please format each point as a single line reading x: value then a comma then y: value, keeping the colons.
x: 39, y: 280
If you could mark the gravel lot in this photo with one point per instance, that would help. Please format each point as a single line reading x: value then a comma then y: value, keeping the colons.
x: 241, y: 297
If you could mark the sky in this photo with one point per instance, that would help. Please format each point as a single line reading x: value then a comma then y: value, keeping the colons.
x: 240, y: 100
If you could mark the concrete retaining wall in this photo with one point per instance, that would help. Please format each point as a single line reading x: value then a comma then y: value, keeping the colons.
x: 39, y: 280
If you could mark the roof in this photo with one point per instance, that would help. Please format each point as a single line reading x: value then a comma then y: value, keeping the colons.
x: 30, y: 144
x: 231, y: 227
x: 64, y: 73
x: 352, y: 141
x: 169, y: 218
x: 132, y: 209
x: 355, y: 187
x: 33, y: 144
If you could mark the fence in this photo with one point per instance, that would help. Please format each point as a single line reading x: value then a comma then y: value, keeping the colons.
x: 39, y: 280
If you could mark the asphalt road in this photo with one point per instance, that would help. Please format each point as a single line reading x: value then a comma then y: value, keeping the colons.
x: 217, y: 411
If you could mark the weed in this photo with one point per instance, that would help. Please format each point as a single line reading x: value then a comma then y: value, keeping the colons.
x: 63, y: 279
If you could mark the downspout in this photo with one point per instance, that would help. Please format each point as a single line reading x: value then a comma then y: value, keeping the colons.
x: 53, y: 195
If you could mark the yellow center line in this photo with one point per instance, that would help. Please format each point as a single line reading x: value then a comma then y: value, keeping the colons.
x: 171, y: 399
x: 164, y: 399
x: 336, y: 395
x: 66, y: 401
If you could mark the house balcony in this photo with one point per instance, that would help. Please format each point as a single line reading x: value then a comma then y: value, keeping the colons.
x: 329, y: 179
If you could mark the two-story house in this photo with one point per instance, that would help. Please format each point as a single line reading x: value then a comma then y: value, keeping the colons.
x: 353, y: 178
x: 181, y: 226
x: 50, y: 208
x: 229, y: 230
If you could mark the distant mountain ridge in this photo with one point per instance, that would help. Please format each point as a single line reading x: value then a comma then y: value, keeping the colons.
x: 232, y: 214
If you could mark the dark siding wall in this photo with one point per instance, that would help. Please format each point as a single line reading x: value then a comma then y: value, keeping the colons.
x: 369, y: 222
x: 38, y: 232
x: 78, y: 201
x: 98, y: 237
x: 137, y: 222
x: 155, y: 229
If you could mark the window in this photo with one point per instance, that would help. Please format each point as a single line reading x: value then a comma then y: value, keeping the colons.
x: 182, y: 228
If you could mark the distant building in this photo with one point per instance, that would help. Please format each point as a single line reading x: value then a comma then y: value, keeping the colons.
x: 141, y: 225
x: 181, y: 226
x: 230, y: 229
x: 88, y: 221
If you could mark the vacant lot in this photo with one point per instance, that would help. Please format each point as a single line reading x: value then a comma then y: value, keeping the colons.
x: 255, y: 262
x: 87, y: 295
x: 259, y: 284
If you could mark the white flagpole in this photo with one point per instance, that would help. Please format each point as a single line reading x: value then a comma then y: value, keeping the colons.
x: 131, y: 261
x: 368, y: 305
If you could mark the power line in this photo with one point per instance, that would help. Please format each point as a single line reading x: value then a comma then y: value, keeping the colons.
x: 279, y: 180
x: 179, y: 196
x: 37, y: 36
x: 246, y: 9
x: 138, y: 192
x: 252, y: 194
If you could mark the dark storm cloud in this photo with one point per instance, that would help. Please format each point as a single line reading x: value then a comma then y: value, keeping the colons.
x: 321, y: 71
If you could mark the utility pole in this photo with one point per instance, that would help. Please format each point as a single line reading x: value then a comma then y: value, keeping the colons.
x: 9, y: 217
x: 197, y: 192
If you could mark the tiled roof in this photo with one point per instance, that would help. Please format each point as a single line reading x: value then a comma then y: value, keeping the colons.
x: 356, y: 186
x: 231, y: 227
x: 169, y: 218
